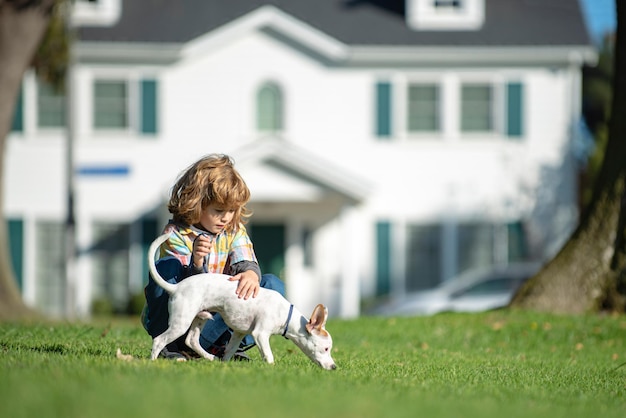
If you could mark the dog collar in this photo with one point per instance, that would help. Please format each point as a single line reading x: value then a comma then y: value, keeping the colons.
x: 288, y: 320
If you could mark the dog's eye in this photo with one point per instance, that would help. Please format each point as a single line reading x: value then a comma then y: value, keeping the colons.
x: 326, y: 349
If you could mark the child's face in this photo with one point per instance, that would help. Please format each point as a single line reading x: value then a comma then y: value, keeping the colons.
x: 215, y: 218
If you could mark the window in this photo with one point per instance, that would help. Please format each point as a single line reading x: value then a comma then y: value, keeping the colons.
x: 488, y: 107
x: 425, y: 249
x: 477, y: 108
x: 269, y: 108
x: 473, y: 245
x: 445, y: 14
x: 50, y: 267
x: 50, y: 107
x: 126, y: 105
x: 110, y: 105
x: 448, y: 4
x: 111, y: 264
x: 423, y: 108
x: 96, y: 12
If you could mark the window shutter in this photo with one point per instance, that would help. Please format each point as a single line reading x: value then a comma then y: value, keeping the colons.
x: 149, y: 94
x: 517, y: 250
x: 16, y: 246
x: 515, y: 108
x: 18, y: 114
x: 383, y: 109
x: 383, y: 257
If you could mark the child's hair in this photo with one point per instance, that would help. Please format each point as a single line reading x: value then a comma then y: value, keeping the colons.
x: 212, y: 179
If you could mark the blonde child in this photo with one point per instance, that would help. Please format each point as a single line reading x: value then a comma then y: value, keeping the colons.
x: 207, y: 235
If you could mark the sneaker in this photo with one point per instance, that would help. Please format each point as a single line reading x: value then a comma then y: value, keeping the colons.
x: 166, y: 353
x: 219, y: 347
x: 217, y: 351
x: 240, y: 355
x: 190, y: 354
x: 243, y: 347
x: 179, y: 346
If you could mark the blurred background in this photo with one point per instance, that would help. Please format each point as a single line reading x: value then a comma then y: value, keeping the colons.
x: 390, y: 146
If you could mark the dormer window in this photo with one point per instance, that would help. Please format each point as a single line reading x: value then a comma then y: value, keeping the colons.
x: 448, y: 15
x: 448, y: 4
x: 96, y: 12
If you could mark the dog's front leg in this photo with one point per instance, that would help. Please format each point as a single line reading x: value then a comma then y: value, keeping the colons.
x: 233, y: 345
x: 263, y: 342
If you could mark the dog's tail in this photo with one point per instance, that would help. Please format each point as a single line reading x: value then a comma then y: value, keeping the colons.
x: 168, y: 287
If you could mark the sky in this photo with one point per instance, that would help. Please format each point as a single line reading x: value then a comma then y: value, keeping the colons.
x: 600, y: 15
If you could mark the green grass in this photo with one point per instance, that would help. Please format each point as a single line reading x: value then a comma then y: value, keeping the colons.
x: 497, y: 364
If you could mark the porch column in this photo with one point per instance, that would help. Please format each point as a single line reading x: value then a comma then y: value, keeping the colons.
x: 294, y: 279
x: 350, y: 287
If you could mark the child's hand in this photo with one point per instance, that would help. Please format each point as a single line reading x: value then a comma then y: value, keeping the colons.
x: 248, y: 284
x: 202, y: 245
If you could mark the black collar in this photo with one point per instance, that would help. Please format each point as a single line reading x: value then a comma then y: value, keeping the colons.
x: 288, y: 320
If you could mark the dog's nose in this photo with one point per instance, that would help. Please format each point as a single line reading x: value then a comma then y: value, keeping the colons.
x: 333, y: 367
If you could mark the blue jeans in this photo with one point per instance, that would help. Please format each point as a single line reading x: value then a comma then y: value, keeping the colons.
x: 156, y: 316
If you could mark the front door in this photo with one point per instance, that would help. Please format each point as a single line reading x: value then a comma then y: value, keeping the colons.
x: 269, y: 247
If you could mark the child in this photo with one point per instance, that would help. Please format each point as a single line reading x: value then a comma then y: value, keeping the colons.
x: 207, y: 235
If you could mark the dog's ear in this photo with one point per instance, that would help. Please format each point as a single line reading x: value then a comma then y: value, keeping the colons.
x: 318, y: 320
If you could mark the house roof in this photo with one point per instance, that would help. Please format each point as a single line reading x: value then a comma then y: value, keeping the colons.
x: 280, y: 170
x: 373, y: 23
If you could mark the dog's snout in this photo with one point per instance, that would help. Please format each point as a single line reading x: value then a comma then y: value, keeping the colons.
x: 327, y: 366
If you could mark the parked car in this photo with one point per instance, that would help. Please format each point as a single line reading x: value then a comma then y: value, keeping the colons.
x: 472, y: 291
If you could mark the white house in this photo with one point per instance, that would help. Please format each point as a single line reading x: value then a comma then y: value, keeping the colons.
x: 388, y: 145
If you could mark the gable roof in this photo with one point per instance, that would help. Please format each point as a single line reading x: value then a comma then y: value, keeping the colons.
x: 352, y: 22
x: 277, y: 169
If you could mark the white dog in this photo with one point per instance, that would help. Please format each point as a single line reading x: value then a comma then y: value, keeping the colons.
x: 269, y: 313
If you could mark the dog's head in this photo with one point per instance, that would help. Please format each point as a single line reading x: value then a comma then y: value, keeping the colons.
x: 320, y: 342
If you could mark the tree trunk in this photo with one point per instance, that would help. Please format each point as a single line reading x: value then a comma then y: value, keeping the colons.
x: 589, y: 273
x: 22, y: 25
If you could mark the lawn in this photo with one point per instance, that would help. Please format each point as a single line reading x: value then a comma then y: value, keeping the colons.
x: 496, y: 364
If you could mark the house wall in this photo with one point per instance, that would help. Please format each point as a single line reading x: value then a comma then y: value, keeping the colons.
x: 207, y: 104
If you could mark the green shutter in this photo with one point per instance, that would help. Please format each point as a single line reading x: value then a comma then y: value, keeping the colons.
x: 149, y: 231
x: 18, y: 114
x: 16, y: 246
x: 149, y: 106
x: 383, y: 258
x: 383, y: 109
x: 515, y: 108
x: 517, y: 241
